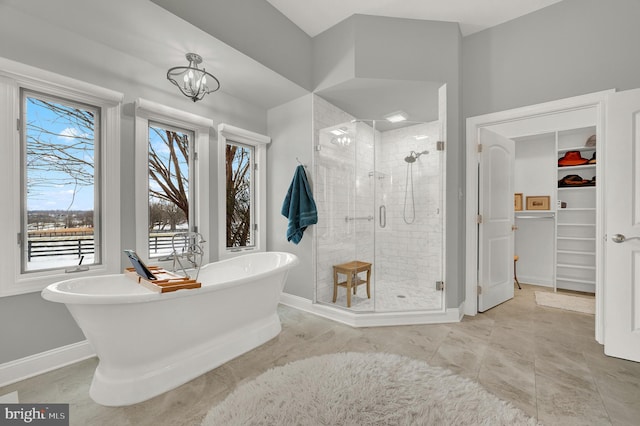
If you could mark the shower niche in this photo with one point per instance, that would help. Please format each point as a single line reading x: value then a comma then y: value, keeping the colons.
x: 379, y: 188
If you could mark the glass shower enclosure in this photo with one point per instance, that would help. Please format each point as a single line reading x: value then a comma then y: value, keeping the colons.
x: 379, y: 190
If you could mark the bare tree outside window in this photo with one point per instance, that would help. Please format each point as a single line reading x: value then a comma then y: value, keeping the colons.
x: 60, y: 149
x: 239, y: 192
x: 169, y: 152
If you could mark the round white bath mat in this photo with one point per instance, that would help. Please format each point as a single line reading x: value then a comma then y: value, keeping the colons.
x: 362, y: 389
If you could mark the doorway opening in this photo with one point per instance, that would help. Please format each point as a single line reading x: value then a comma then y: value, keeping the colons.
x: 580, y: 112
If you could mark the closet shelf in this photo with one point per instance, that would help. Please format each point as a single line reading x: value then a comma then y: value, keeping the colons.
x: 576, y: 209
x: 547, y: 216
x: 534, y: 212
x: 577, y: 238
x: 582, y: 253
x: 572, y: 266
x: 573, y: 188
x: 580, y: 167
x: 575, y: 280
x: 588, y: 225
x: 577, y: 148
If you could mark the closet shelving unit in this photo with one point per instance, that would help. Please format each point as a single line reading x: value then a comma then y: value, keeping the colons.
x: 576, y: 223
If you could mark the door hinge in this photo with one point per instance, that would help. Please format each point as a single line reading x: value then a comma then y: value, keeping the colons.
x: 479, y: 219
x: 479, y: 289
x: 440, y: 146
x: 19, y: 238
x: 195, y: 156
x: 255, y: 226
x: 18, y: 126
x: 255, y: 166
x: 479, y: 147
x: 439, y: 285
x: 318, y: 147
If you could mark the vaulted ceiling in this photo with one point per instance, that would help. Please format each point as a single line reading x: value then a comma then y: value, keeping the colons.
x: 313, y: 17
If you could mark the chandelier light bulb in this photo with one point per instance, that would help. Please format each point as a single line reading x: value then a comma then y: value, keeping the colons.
x: 193, y: 79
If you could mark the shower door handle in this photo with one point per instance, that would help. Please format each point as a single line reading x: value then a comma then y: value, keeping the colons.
x: 383, y: 216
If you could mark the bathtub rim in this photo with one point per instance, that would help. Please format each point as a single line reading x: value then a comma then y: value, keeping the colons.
x: 53, y: 293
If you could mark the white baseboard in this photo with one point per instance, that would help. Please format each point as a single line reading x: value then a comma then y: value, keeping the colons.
x: 368, y: 319
x: 10, y: 398
x: 533, y: 280
x: 33, y: 365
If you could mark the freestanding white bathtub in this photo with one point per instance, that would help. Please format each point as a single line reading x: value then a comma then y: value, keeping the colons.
x: 148, y: 343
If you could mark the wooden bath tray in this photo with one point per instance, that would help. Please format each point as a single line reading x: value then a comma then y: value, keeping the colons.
x: 166, y: 281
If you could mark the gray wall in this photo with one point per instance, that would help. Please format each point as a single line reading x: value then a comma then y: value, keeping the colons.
x: 29, y: 324
x: 290, y: 128
x: 334, y: 55
x: 567, y: 49
x: 255, y: 28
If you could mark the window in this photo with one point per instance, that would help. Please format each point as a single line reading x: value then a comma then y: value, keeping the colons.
x: 60, y: 151
x: 241, y: 190
x: 61, y: 172
x: 171, y: 153
x: 239, y: 166
x: 172, y: 171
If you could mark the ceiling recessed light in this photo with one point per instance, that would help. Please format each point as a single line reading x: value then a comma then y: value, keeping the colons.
x: 396, y: 117
x: 339, y: 132
x: 421, y: 137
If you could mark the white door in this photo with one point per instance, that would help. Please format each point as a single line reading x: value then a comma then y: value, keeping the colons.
x: 495, y: 232
x: 622, y: 210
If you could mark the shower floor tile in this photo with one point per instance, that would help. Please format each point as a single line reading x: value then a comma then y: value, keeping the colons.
x: 393, y: 296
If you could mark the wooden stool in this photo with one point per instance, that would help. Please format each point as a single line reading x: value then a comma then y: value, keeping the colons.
x: 515, y: 275
x: 351, y: 270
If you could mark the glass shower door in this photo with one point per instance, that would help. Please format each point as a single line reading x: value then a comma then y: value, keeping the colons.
x: 409, y: 237
x: 344, y: 198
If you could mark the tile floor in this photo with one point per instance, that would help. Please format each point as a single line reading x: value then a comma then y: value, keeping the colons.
x: 391, y: 296
x: 543, y: 360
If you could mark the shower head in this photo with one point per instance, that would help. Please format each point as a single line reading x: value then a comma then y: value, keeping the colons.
x: 413, y: 156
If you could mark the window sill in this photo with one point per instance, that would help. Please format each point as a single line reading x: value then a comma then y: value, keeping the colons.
x: 231, y: 253
x: 37, y: 281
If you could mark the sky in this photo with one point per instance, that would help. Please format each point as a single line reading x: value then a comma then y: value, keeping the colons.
x: 49, y: 187
x: 50, y: 184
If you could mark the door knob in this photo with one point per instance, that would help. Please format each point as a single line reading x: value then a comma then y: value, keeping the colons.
x: 619, y: 238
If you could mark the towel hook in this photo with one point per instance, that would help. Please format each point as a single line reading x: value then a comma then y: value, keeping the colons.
x: 299, y: 162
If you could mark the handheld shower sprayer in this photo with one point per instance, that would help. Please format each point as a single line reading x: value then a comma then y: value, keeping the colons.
x: 410, y: 159
x: 413, y: 156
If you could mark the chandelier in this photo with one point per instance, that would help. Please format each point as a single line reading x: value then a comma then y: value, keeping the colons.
x: 192, y: 81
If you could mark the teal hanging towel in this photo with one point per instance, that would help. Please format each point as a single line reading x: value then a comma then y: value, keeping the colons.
x: 299, y: 207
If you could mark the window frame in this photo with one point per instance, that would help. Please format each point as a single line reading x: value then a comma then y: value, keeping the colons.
x: 98, y: 187
x: 147, y: 112
x: 252, y: 192
x: 15, y: 76
x: 228, y: 133
x: 191, y: 178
